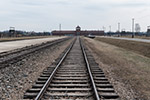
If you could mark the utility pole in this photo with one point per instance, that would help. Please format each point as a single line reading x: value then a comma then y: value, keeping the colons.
x: 59, y: 27
x: 133, y: 34
x: 118, y: 27
x: 110, y: 28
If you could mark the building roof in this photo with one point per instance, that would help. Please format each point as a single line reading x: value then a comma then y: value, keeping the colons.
x: 79, y: 32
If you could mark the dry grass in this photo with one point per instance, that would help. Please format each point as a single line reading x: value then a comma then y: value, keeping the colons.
x: 139, y: 37
x: 128, y: 71
x: 138, y: 47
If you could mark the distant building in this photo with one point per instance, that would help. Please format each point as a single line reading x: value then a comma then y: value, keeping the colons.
x: 78, y: 31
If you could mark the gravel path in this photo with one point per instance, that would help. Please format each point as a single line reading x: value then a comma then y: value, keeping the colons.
x: 7, y: 46
x: 18, y: 77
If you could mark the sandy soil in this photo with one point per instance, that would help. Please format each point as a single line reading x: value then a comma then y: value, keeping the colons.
x: 128, y: 71
x: 17, y: 78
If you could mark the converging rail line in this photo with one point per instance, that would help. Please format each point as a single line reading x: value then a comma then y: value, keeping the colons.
x: 75, y: 77
x: 7, y: 58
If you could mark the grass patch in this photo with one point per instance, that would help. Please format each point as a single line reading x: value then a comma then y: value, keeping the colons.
x: 138, y: 47
x: 125, y: 63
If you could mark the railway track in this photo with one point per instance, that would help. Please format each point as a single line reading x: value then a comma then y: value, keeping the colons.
x: 10, y: 57
x: 75, y: 77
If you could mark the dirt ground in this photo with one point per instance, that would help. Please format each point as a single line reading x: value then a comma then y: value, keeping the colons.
x: 141, y: 48
x: 128, y: 71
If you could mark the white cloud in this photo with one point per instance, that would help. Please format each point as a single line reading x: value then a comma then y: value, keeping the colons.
x: 90, y: 14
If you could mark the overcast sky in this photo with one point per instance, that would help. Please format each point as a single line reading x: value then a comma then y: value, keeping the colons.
x: 46, y: 15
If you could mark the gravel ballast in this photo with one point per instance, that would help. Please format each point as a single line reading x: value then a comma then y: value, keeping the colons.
x: 18, y: 77
x: 108, y: 64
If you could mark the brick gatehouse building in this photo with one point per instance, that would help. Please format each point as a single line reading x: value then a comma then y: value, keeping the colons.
x: 78, y: 31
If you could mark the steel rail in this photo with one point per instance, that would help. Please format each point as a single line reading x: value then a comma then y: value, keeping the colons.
x: 40, y: 94
x: 89, y: 70
x: 31, y: 50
